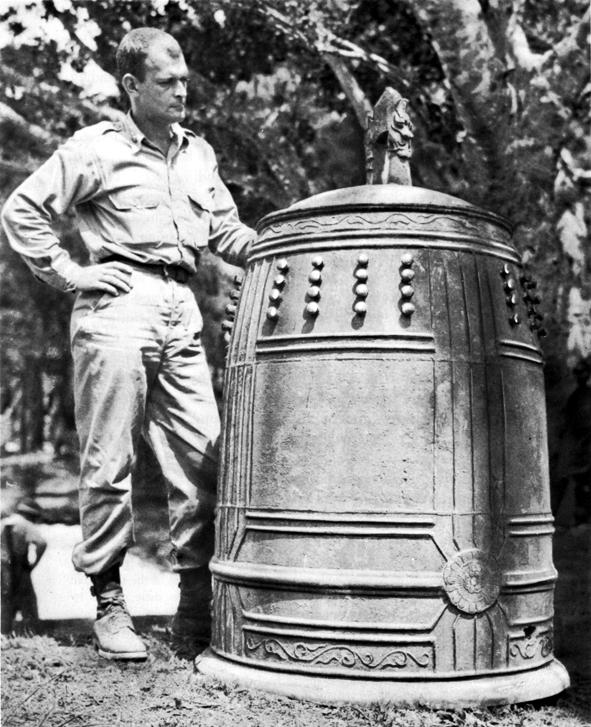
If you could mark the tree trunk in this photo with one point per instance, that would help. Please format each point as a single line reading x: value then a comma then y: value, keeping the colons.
x: 477, y: 77
x: 525, y: 158
x: 32, y: 406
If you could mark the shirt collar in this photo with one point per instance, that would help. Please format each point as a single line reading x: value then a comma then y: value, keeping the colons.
x: 136, y: 136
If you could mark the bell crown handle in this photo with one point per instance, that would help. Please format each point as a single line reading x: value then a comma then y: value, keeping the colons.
x: 388, y: 141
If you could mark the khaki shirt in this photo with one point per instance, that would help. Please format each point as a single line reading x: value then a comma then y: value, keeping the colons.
x: 130, y: 200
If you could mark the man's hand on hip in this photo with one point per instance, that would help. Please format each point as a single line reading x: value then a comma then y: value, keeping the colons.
x: 113, y: 278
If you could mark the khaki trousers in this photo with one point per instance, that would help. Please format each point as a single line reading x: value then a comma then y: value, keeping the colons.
x: 140, y: 370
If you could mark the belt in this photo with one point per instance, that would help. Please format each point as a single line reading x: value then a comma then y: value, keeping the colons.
x: 175, y: 272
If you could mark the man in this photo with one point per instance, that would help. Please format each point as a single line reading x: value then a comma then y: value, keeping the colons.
x: 149, y: 199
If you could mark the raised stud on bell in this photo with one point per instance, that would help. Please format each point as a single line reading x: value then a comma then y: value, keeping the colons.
x: 230, y: 309
x: 407, y: 309
x: 279, y: 281
x: 274, y: 295
x: 514, y: 320
x: 315, y: 276
x: 360, y: 308
x: 407, y: 275
x: 361, y: 274
x: 313, y: 291
x: 363, y: 258
x: 318, y: 262
x: 312, y: 309
x: 227, y: 326
x: 272, y: 313
x: 361, y: 290
x: 282, y: 265
x: 407, y: 291
x: 511, y: 300
x: 407, y: 258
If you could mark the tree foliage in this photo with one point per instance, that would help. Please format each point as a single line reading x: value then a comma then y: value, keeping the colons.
x: 498, y: 89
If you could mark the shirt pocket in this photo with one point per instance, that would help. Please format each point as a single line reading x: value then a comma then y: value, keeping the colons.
x: 139, y: 217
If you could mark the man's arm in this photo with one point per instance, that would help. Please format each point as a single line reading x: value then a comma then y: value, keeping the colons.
x: 228, y: 237
x: 68, y: 177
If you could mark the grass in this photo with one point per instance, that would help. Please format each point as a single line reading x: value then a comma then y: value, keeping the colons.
x: 54, y: 684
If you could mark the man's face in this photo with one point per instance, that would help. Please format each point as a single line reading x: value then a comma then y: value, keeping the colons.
x: 161, y: 96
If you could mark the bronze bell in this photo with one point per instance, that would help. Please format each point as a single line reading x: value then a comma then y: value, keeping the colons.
x: 384, y: 528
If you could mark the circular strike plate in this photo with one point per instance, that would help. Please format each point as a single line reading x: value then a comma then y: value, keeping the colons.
x: 472, y: 580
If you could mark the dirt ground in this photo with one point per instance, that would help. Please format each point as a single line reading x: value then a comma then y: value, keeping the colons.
x: 55, y: 679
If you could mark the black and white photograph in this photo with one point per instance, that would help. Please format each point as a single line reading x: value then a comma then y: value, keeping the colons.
x: 295, y: 364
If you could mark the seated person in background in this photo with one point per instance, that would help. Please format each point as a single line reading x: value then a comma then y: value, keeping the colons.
x: 22, y: 548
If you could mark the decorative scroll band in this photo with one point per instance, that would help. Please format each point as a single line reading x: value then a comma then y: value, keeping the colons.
x: 526, y: 650
x: 382, y: 221
x: 344, y: 656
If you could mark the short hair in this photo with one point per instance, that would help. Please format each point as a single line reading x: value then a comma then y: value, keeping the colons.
x: 133, y: 50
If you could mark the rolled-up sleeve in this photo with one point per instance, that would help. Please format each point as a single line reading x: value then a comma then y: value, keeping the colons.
x: 228, y: 237
x: 68, y: 177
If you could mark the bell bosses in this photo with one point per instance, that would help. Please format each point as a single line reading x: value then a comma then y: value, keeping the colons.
x: 148, y: 199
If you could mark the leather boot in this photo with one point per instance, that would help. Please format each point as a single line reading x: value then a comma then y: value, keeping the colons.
x: 113, y: 634
x: 190, y: 628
